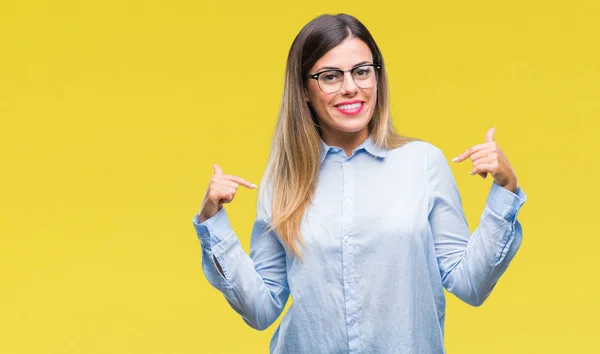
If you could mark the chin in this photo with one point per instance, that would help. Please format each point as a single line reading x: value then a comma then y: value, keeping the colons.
x: 351, y: 128
x: 351, y: 124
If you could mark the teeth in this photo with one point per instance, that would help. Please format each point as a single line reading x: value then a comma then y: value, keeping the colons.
x: 348, y: 107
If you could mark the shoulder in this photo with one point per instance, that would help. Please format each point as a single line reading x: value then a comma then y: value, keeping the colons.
x: 420, y: 157
x: 418, y: 150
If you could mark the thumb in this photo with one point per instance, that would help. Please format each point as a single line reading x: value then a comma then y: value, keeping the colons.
x: 489, y: 136
x: 218, y: 170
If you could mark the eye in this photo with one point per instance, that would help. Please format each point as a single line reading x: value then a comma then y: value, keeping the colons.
x: 362, y: 72
x: 330, y: 77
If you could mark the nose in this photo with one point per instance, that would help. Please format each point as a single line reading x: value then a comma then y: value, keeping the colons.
x: 349, y: 88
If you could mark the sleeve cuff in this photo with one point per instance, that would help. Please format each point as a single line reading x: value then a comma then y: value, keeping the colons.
x: 213, y: 230
x: 504, y: 202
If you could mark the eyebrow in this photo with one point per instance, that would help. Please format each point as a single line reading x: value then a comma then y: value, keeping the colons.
x: 334, y: 68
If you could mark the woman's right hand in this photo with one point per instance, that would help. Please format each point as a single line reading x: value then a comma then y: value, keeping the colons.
x: 221, y: 189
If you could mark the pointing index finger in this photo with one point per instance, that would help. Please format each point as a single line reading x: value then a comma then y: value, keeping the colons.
x: 473, y: 149
x: 240, y: 180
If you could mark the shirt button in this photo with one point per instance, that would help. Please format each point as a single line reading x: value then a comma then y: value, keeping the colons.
x: 346, y: 164
x: 346, y: 238
x: 350, y: 280
x: 347, y: 200
x: 352, y: 322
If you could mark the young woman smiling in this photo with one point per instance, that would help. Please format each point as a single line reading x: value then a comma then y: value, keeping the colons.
x: 362, y: 226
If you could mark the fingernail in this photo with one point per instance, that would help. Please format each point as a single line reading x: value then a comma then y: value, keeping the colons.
x: 471, y: 173
x: 455, y: 159
x: 253, y: 185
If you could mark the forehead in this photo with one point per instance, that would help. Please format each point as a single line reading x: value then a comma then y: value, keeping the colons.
x: 344, y: 56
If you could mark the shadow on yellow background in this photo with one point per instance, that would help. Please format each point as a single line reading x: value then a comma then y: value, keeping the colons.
x: 113, y: 112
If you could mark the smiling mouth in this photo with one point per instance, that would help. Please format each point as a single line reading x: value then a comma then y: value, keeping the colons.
x: 350, y: 109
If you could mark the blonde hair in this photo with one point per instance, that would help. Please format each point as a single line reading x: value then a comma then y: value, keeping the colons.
x: 294, y: 161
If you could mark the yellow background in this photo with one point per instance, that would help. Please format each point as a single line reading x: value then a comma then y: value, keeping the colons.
x: 113, y: 112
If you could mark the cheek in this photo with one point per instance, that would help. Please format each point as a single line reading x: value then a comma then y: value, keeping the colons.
x: 373, y: 95
x: 320, y: 101
x: 314, y: 95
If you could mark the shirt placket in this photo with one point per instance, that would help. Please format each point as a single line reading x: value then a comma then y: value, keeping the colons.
x: 348, y: 275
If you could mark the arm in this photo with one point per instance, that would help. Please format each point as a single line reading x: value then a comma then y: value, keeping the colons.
x: 255, y: 286
x: 471, y: 265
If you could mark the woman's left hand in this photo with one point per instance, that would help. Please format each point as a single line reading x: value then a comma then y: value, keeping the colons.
x: 488, y: 157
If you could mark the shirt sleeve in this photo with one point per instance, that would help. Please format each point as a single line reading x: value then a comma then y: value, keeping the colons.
x: 255, y: 286
x: 471, y: 265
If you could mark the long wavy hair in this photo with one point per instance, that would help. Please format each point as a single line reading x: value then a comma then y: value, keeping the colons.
x: 294, y: 161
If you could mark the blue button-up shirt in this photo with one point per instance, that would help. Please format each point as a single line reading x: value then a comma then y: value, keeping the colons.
x: 385, y: 234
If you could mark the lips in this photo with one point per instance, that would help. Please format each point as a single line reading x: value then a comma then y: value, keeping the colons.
x: 350, y: 107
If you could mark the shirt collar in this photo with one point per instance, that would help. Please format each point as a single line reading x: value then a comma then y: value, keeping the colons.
x: 368, y: 145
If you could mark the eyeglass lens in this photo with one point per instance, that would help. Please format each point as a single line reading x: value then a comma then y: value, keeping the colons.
x: 333, y: 80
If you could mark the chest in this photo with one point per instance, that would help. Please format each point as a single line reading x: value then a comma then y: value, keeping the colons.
x: 372, y: 208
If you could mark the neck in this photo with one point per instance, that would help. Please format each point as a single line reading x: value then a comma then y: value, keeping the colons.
x: 345, y: 140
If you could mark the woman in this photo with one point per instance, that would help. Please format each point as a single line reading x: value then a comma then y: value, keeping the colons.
x: 362, y: 226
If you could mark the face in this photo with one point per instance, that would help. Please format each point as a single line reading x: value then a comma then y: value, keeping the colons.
x: 346, y: 113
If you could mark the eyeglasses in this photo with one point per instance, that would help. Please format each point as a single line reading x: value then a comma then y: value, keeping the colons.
x: 332, y: 80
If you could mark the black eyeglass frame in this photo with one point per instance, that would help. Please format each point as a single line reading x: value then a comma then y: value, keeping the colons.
x: 315, y: 76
